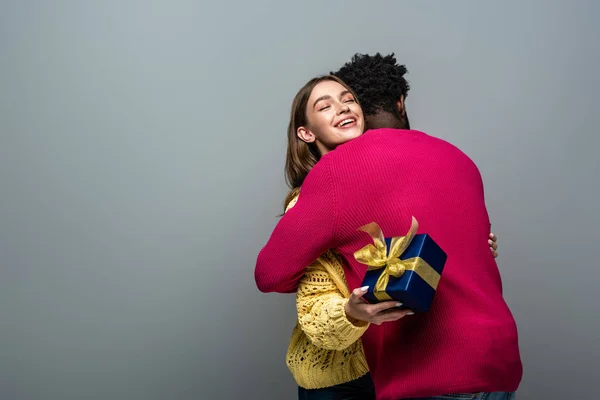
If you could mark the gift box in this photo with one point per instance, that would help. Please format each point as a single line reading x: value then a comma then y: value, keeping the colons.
x: 406, y: 269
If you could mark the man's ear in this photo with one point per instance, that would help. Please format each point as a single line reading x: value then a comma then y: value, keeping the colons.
x: 400, y: 106
x: 305, y: 135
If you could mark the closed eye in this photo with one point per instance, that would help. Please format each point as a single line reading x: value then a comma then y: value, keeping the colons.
x: 323, y: 108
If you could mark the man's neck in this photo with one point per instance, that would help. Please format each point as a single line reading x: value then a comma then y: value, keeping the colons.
x: 384, y: 119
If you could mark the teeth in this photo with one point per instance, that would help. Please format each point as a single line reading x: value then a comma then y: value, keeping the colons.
x: 346, y: 121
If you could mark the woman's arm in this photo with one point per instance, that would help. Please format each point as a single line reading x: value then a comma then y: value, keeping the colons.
x: 321, y: 300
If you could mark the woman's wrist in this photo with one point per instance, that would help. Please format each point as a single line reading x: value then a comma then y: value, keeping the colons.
x: 348, y: 311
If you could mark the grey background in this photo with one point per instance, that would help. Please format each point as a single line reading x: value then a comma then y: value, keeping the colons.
x: 141, y: 156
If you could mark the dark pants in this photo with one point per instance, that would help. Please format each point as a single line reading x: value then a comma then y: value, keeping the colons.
x: 359, y: 389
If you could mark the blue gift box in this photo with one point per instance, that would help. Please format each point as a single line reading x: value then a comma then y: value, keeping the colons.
x: 420, y: 264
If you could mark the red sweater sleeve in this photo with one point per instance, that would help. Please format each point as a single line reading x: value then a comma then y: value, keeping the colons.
x: 301, y: 236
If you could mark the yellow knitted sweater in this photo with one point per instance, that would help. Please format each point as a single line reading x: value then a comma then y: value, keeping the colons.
x: 325, y: 347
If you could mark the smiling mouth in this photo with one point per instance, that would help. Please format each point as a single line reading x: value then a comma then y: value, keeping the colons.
x: 346, y: 122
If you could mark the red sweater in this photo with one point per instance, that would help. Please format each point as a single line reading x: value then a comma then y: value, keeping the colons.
x: 467, y: 341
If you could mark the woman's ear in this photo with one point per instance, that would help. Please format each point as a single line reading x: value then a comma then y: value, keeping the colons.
x: 400, y: 106
x: 305, y: 135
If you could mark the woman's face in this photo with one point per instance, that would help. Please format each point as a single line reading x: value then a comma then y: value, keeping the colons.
x: 334, y: 117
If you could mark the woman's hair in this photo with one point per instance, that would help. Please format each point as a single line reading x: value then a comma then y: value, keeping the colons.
x: 301, y: 156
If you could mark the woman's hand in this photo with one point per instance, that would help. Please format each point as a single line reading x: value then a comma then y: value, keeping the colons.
x: 493, y: 242
x: 358, y: 309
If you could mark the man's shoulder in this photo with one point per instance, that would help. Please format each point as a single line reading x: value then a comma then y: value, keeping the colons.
x: 386, y: 144
x: 373, y: 140
x: 445, y: 145
x: 458, y: 152
x: 319, y: 172
x: 455, y: 156
x: 370, y: 138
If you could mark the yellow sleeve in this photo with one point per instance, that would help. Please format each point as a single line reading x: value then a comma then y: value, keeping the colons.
x: 321, y: 313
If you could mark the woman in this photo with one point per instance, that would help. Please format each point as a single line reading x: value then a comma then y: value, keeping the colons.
x: 325, y: 354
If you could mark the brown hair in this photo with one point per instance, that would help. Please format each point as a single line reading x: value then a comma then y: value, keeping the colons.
x: 301, y: 156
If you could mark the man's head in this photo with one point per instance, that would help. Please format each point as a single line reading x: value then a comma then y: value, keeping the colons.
x: 379, y: 83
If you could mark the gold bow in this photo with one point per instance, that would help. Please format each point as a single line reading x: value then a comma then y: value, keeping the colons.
x: 376, y: 257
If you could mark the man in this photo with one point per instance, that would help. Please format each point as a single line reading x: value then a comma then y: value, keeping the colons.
x: 467, y: 342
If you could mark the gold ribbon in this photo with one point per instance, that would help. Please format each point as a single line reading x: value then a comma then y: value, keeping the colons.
x: 376, y: 257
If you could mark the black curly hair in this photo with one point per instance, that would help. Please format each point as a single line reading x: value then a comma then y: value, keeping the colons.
x: 377, y: 80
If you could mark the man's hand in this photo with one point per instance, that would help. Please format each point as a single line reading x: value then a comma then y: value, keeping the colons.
x: 387, y: 311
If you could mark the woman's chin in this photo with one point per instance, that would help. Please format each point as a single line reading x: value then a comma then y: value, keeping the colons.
x: 352, y: 133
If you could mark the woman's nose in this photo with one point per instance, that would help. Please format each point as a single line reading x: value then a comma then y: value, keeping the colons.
x: 344, y: 108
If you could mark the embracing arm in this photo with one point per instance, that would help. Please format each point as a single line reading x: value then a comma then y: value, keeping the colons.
x: 301, y: 236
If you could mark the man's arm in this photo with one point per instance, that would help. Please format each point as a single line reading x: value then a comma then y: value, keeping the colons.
x: 300, y: 237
